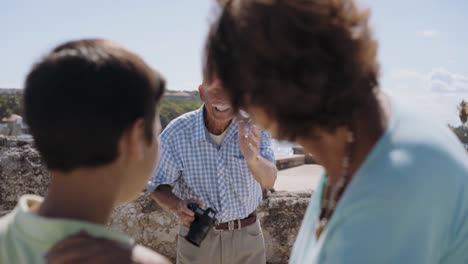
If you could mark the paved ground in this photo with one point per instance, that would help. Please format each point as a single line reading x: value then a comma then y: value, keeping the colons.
x: 305, y: 177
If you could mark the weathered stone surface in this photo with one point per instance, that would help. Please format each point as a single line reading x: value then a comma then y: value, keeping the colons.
x: 308, y: 157
x: 148, y: 224
x: 290, y: 162
x: 21, y: 172
x: 280, y: 215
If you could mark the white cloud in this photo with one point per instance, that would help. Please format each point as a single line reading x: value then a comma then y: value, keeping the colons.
x: 442, y: 81
x: 405, y: 74
x: 436, y: 93
x: 428, y: 33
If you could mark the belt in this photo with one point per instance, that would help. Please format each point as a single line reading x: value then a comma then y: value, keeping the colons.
x: 237, y: 224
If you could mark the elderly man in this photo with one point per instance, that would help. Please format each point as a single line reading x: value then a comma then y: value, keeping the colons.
x: 222, y: 162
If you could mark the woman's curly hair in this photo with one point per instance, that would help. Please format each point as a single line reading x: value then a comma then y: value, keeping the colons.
x: 308, y: 63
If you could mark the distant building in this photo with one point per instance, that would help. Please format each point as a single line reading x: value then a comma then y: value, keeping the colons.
x: 178, y: 96
x: 12, y: 125
x: 13, y: 119
x: 10, y: 91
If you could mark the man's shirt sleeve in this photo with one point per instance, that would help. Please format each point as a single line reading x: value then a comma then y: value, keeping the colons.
x: 265, y: 147
x: 168, y: 170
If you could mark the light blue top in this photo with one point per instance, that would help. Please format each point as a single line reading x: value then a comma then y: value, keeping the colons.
x: 408, y: 202
x: 197, y: 168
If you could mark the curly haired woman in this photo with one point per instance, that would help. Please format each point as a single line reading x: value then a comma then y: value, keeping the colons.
x: 396, y: 185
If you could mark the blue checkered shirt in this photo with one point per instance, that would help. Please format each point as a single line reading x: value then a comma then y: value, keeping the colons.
x: 197, y: 168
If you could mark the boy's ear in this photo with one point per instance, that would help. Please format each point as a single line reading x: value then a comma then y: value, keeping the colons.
x: 134, y: 140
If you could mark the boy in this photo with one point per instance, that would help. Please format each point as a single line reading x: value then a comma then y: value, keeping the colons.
x: 91, y: 108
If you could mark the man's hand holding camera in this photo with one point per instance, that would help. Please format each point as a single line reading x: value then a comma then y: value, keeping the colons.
x: 185, y: 215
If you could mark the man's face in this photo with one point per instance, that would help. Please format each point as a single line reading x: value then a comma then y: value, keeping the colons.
x: 216, y: 101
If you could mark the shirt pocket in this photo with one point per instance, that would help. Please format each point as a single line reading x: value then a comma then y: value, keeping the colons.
x: 242, y: 179
x: 240, y: 165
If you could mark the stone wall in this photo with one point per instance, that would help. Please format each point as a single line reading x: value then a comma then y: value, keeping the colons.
x: 21, y: 172
x: 290, y: 162
x: 280, y: 215
x: 299, y: 158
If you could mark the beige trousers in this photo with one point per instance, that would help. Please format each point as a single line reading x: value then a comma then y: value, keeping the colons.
x: 244, y: 246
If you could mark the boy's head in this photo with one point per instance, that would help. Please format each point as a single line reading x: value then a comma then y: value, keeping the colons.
x: 91, y: 103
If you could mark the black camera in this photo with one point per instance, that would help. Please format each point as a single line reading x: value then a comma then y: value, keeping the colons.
x: 204, y: 220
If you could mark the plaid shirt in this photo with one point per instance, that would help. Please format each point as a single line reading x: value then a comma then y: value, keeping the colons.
x: 196, y: 168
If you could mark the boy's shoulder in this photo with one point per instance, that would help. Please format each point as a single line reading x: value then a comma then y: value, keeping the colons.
x: 7, y: 242
x: 25, y: 235
x: 6, y: 221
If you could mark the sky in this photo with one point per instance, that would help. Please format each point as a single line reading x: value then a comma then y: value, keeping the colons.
x: 423, y: 44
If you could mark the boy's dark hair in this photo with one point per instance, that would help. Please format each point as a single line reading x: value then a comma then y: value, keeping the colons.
x: 309, y: 64
x: 80, y: 98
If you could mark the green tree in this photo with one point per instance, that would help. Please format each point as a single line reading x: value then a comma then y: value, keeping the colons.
x: 462, y: 112
x: 461, y: 132
x: 11, y: 104
x: 173, y: 109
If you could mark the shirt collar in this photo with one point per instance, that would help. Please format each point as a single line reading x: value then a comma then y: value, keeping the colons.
x: 54, y: 229
x: 199, y: 133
